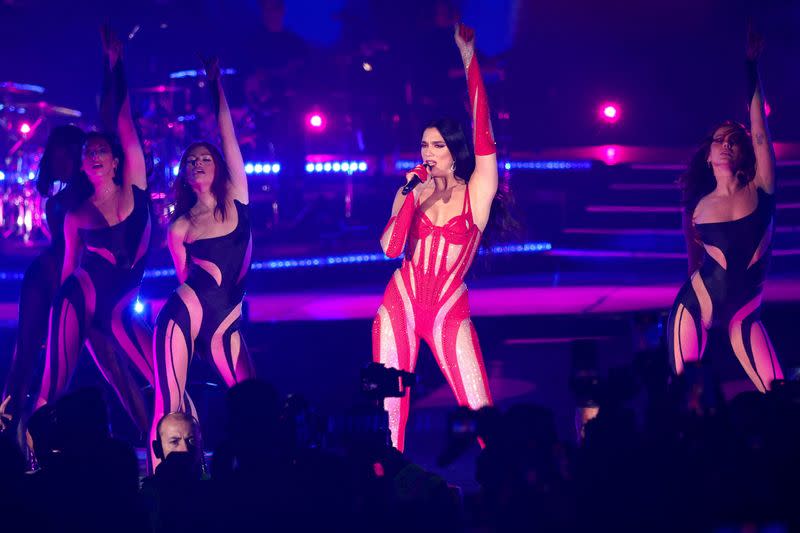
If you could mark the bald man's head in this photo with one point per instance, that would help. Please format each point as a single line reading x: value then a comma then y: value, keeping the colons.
x: 179, y: 432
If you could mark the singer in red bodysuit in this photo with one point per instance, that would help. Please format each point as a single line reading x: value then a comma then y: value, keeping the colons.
x: 439, y: 224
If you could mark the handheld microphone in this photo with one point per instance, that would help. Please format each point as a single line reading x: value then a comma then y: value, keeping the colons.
x: 416, y: 180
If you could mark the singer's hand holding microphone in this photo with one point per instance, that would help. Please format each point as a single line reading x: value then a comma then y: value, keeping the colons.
x: 418, y: 174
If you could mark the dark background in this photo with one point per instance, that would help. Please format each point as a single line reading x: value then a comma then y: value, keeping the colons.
x: 676, y: 67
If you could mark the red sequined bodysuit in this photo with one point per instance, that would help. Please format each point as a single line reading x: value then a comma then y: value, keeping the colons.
x: 426, y: 297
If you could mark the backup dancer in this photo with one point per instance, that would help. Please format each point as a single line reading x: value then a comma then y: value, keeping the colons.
x: 729, y: 202
x: 211, y: 246
x: 106, y: 239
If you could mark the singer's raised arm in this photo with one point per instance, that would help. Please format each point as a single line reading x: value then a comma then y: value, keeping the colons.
x: 484, y: 180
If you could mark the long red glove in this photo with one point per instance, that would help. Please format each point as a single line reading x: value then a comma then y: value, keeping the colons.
x: 483, y: 137
x: 400, y: 223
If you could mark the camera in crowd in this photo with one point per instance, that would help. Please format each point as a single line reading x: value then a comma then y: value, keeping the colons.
x: 362, y: 428
x: 379, y: 382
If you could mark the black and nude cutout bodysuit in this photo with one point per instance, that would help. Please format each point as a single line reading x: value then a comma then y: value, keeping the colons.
x: 734, y: 278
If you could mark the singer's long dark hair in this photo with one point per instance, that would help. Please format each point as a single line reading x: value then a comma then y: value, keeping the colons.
x: 503, y: 225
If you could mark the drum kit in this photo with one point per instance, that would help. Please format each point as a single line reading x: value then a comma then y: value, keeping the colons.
x: 24, y: 121
x: 170, y: 116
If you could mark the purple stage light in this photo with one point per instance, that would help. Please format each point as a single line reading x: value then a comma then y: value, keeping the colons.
x: 610, y: 154
x: 316, y: 121
x: 610, y: 112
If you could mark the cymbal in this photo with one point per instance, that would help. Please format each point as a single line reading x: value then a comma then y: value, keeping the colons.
x: 12, y: 87
x: 41, y: 108
x: 56, y: 110
x: 157, y: 89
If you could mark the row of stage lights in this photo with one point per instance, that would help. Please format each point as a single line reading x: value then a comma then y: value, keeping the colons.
x: 265, y: 168
x: 352, y: 167
x: 547, y: 165
x: 332, y: 260
x: 253, y: 168
x: 311, y: 262
x: 336, y: 166
x: 262, y: 168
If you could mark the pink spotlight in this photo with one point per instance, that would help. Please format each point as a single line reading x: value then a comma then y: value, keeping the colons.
x: 610, y: 154
x: 610, y: 112
x: 316, y: 121
x: 25, y: 128
x: 767, y: 108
